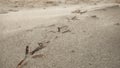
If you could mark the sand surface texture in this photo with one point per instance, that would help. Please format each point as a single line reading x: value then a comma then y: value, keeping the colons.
x: 74, y: 36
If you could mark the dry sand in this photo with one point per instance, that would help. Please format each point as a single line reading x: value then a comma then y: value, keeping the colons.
x: 89, y: 36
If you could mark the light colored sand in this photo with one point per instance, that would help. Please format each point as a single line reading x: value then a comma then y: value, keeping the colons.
x: 93, y: 42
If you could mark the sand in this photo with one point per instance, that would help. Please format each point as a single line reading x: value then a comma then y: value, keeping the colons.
x: 74, y: 36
